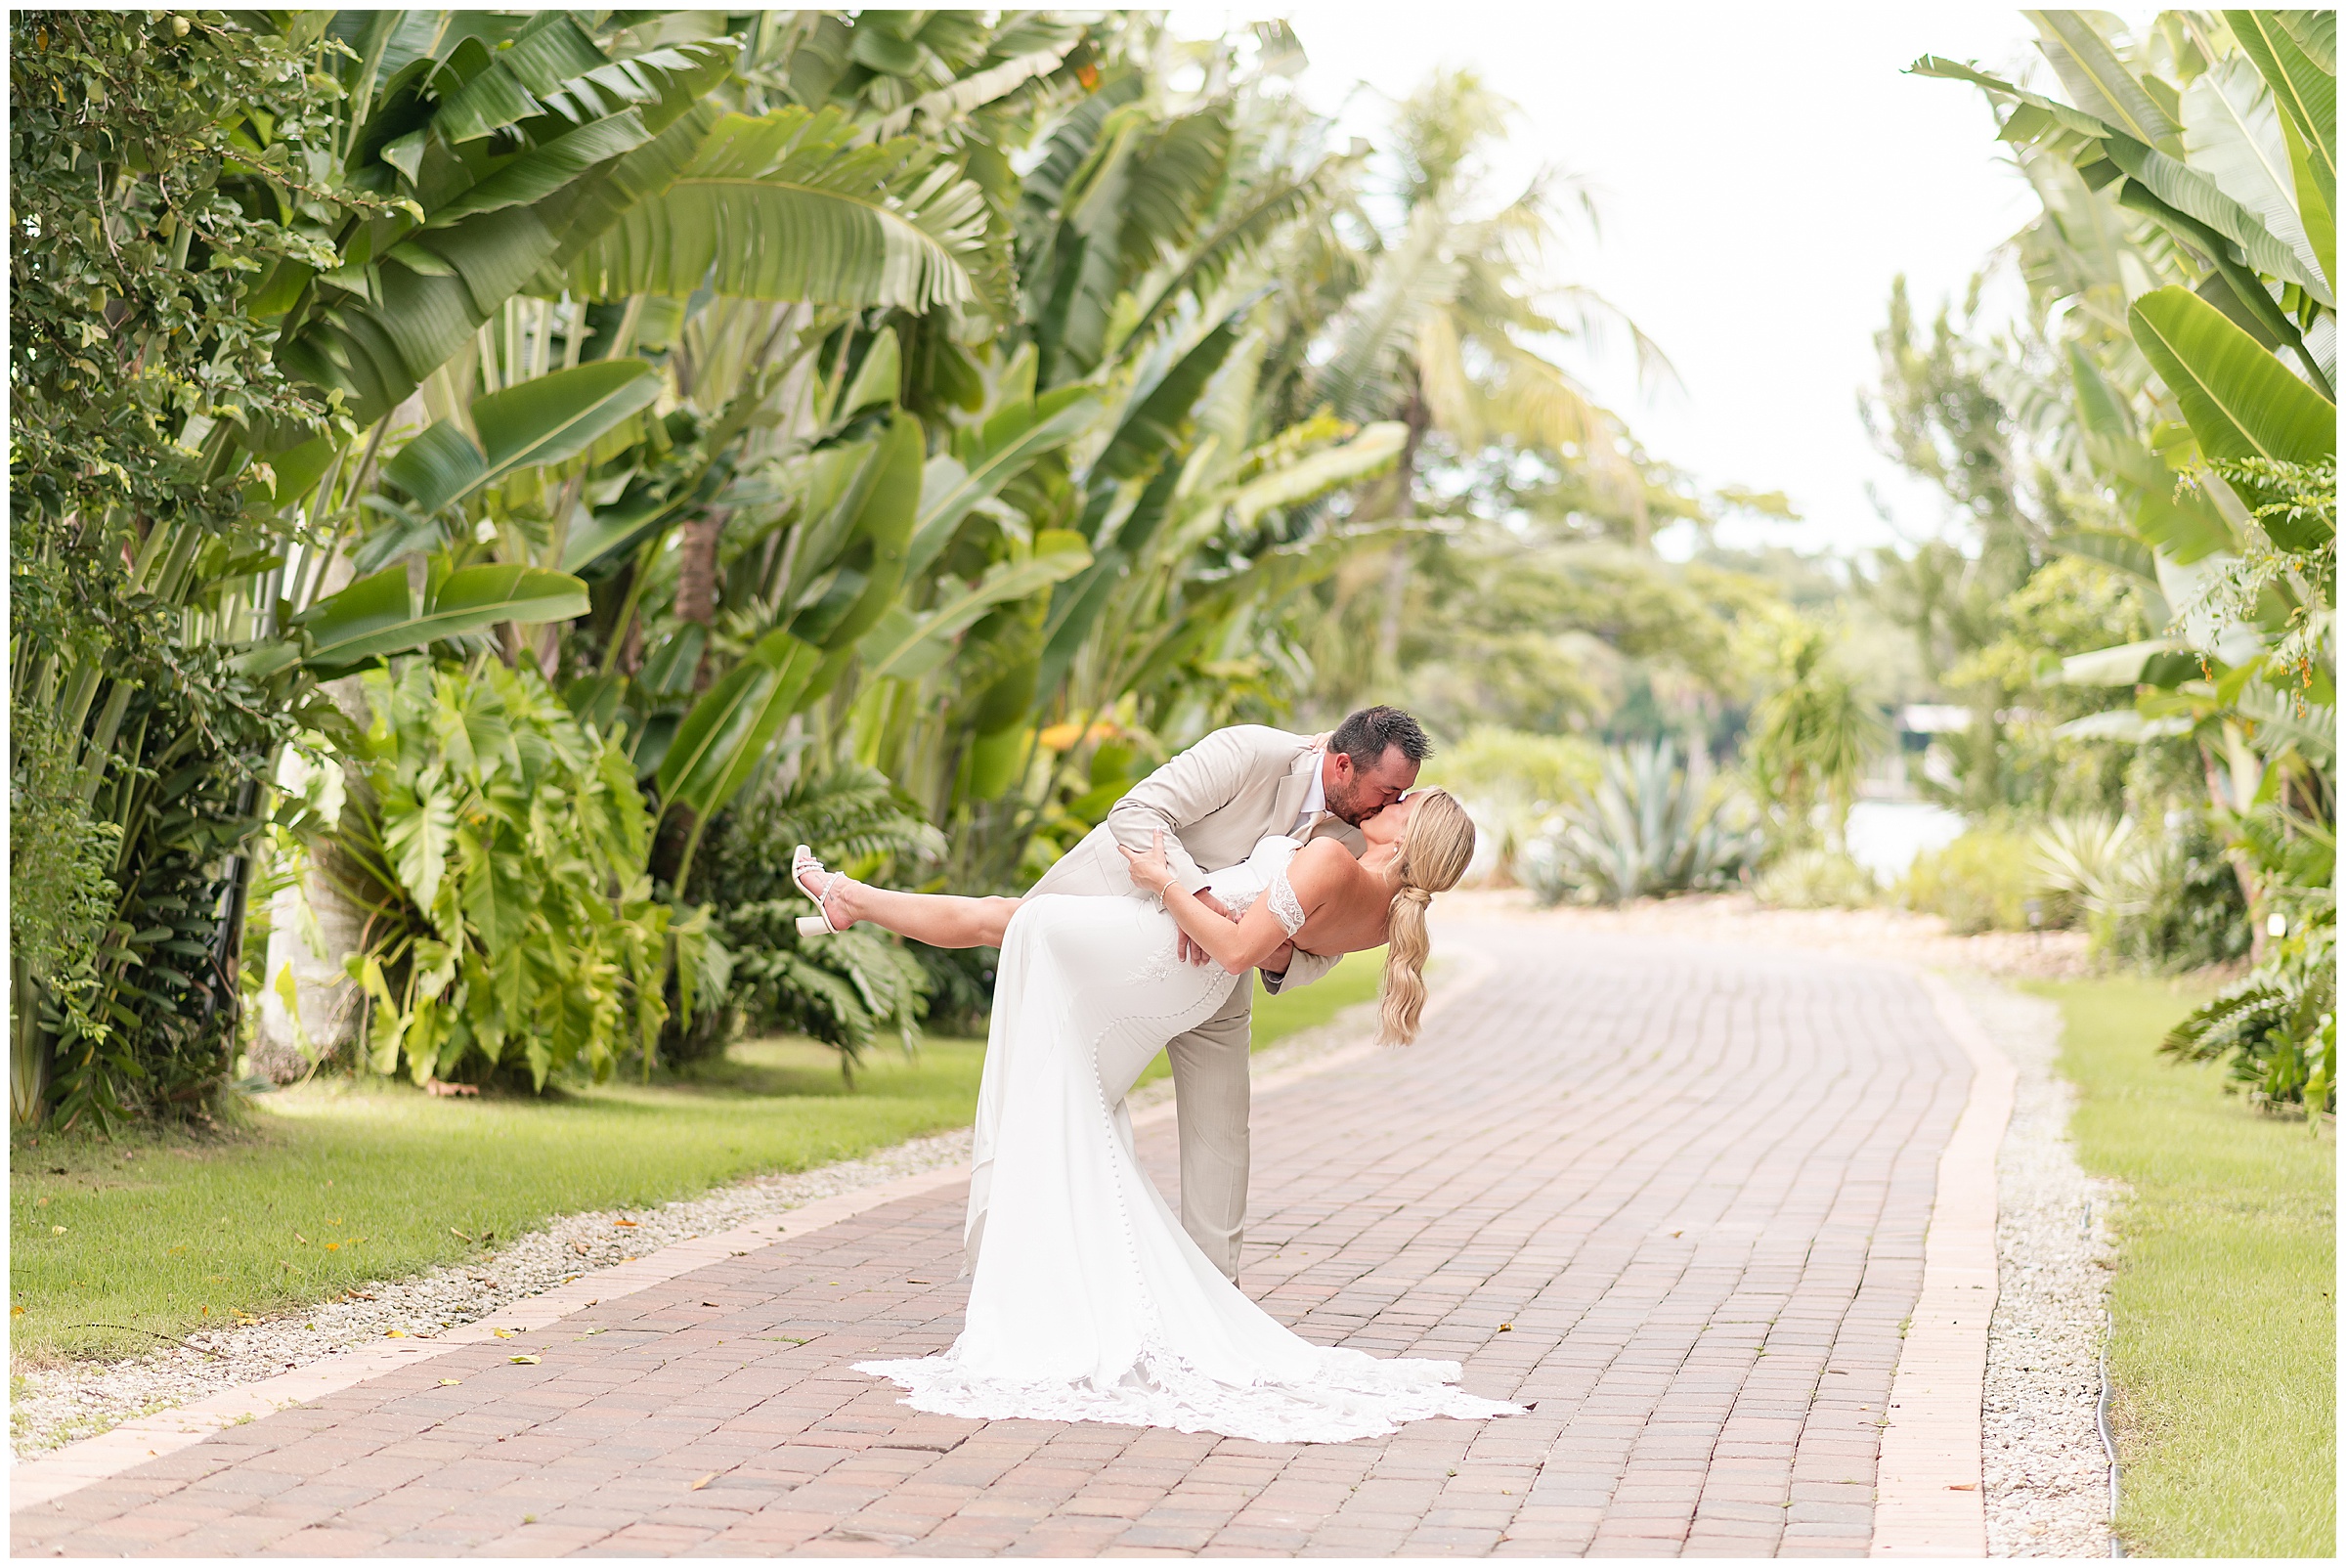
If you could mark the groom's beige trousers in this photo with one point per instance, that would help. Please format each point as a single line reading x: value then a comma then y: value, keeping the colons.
x: 1211, y: 1087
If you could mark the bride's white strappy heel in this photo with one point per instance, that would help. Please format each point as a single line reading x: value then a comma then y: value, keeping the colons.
x: 802, y: 863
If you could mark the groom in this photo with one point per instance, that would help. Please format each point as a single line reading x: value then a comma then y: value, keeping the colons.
x: 1213, y: 803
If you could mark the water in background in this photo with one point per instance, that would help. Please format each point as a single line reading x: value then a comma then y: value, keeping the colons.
x: 1884, y: 836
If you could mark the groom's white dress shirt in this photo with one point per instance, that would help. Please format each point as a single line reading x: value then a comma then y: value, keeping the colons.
x: 1315, y: 805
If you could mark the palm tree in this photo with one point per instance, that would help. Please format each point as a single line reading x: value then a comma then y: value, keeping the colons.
x: 1447, y: 324
x: 1810, y: 738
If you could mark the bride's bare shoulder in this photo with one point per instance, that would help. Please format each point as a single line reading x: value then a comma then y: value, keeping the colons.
x: 1321, y: 865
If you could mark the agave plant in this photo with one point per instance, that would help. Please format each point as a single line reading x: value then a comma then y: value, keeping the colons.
x: 2100, y: 861
x: 1650, y: 826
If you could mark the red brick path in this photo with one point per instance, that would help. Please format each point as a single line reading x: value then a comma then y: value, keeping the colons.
x: 1675, y: 1194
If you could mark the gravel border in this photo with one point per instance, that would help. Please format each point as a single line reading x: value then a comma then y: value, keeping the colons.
x: 2046, y: 1476
x: 54, y: 1405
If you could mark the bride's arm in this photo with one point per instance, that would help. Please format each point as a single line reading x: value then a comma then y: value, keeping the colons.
x: 1237, y: 946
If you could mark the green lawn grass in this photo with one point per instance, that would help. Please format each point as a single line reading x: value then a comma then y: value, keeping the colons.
x: 2223, y: 1356
x: 340, y: 1182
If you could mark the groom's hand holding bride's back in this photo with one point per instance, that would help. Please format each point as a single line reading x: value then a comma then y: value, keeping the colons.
x: 1190, y: 952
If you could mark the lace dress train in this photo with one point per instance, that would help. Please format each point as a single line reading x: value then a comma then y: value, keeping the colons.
x: 1088, y: 1301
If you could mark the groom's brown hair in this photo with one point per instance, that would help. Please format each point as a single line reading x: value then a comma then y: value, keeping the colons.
x: 1366, y: 737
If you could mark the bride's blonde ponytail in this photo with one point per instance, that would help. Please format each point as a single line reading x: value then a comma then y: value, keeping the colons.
x: 1434, y: 854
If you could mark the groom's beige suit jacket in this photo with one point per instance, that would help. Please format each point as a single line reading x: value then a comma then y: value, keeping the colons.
x: 1213, y: 803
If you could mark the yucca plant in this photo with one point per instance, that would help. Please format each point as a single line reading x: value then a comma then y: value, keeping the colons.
x: 1650, y: 826
x: 2096, y: 864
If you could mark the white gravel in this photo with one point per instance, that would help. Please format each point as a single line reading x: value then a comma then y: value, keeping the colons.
x: 54, y: 1405
x: 2047, y: 1477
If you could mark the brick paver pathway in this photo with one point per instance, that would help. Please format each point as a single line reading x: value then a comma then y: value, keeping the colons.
x: 1675, y: 1194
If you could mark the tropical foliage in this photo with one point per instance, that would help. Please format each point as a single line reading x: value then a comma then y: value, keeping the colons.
x: 625, y: 444
x: 845, y: 988
x: 910, y: 396
x: 2159, y: 431
x: 498, y: 847
x: 2277, y: 1025
x: 1810, y: 739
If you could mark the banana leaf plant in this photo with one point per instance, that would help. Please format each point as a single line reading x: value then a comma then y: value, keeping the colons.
x: 2199, y: 155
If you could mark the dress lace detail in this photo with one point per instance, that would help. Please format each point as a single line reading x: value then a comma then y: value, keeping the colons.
x: 1089, y: 1302
x: 1263, y: 873
x: 1355, y: 1395
x: 1283, y: 902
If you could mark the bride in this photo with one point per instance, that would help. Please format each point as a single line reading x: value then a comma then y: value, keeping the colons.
x: 1087, y: 1299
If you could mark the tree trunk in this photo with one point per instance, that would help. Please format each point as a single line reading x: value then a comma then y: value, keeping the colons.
x: 696, y: 578
x: 322, y: 1023
x: 1397, y: 566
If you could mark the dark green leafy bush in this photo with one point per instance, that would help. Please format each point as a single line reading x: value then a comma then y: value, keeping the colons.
x: 846, y: 989
x: 2278, y: 1025
x: 2186, y: 911
x: 504, y: 845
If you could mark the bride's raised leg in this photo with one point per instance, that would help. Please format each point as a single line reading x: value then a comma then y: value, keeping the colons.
x: 941, y: 920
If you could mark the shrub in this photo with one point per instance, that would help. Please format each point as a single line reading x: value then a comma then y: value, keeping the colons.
x: 505, y: 846
x: 60, y: 902
x: 845, y: 988
x: 1982, y: 881
x: 1649, y: 826
x: 2162, y: 901
x: 2186, y: 910
x: 2278, y: 1025
x: 1816, y: 879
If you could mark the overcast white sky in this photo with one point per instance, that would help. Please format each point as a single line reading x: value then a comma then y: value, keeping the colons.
x: 1763, y: 172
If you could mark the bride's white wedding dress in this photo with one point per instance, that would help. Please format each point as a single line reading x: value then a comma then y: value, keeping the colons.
x: 1088, y: 1302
